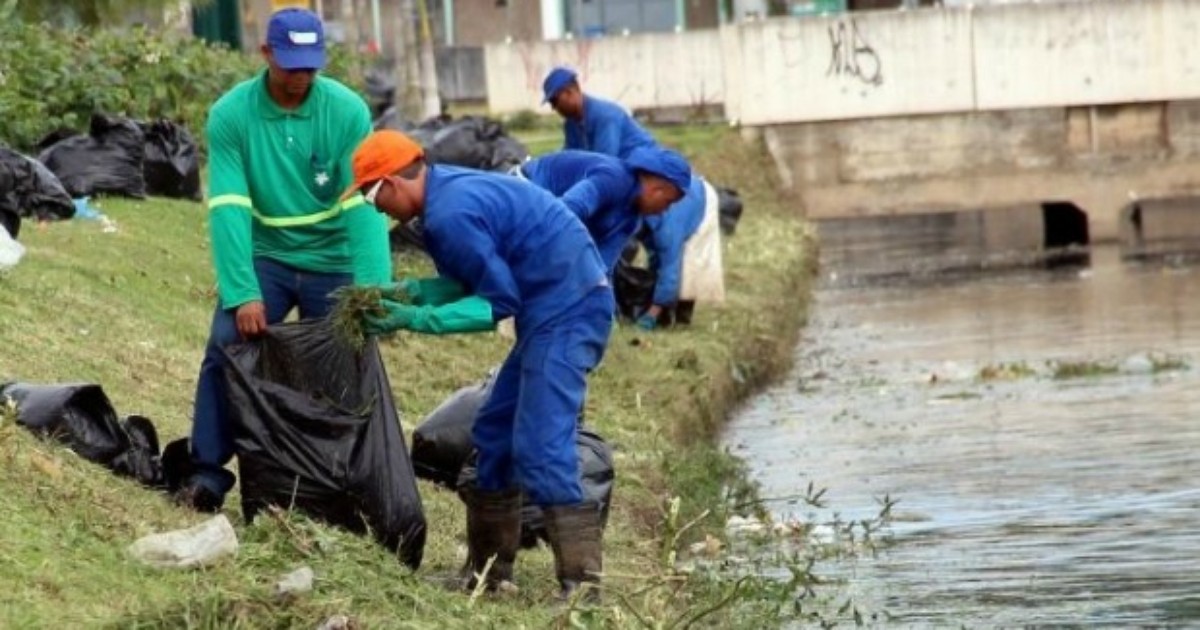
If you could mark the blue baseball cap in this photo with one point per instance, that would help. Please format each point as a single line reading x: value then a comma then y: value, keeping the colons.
x: 665, y: 163
x: 558, y: 79
x: 296, y: 39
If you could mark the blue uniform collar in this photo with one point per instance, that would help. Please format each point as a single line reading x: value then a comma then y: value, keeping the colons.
x: 588, y: 101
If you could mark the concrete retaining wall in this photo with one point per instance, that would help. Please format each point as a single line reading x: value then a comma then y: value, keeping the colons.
x: 885, y: 63
x: 461, y: 73
x: 639, y: 71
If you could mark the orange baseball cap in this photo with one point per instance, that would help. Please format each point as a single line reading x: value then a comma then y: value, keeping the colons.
x: 381, y: 154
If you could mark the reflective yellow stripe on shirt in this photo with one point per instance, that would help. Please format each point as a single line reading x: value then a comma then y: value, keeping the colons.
x: 286, y: 222
x: 230, y: 200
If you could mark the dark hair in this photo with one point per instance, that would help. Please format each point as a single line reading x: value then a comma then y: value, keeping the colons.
x: 412, y: 171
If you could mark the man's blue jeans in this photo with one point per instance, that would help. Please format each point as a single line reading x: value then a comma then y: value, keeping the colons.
x: 283, y: 288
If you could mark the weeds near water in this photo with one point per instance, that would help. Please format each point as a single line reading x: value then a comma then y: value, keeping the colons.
x: 1005, y: 372
x: 1167, y: 363
x: 963, y: 395
x: 782, y: 584
x: 1082, y: 369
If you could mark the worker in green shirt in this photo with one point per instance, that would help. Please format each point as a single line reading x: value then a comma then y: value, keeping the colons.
x: 279, y: 158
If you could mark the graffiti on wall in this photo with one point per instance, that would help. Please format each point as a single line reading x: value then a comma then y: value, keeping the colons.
x: 851, y: 55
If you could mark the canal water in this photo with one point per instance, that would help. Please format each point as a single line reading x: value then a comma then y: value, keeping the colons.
x: 1039, y: 427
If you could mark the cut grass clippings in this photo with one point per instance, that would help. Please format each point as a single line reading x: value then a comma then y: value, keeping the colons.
x: 131, y: 311
x: 351, y: 305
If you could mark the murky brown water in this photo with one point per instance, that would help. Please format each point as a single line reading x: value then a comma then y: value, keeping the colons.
x: 1027, y: 501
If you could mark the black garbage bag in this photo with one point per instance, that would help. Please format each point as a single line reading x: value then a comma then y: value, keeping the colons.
x: 28, y: 188
x: 142, y: 460
x: 633, y: 288
x: 460, y: 143
x: 52, y: 138
x: 444, y: 454
x: 389, y: 118
x: 172, y: 163
x: 380, y: 86
x: 177, y: 464
x: 730, y: 208
x: 442, y: 442
x: 410, y: 236
x: 107, y: 160
x: 316, y: 429
x: 471, y: 141
x: 10, y: 222
x: 81, y: 417
x: 507, y: 152
x: 597, y: 477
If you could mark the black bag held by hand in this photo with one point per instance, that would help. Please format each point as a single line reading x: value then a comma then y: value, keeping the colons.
x: 316, y: 429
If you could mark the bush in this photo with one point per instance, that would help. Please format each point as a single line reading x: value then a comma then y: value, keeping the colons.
x: 524, y: 120
x: 53, y: 78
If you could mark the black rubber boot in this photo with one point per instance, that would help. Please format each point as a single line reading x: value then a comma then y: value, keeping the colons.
x: 576, y: 538
x: 493, y: 529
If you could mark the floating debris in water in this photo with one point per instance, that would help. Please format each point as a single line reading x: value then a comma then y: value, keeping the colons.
x: 1005, y: 372
x: 1081, y: 369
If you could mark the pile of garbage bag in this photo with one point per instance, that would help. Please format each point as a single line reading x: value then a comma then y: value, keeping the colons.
x: 81, y: 417
x: 471, y: 141
x: 29, y: 189
x: 120, y: 156
x: 107, y: 160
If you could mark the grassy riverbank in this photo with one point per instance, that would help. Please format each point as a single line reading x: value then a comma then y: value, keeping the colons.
x: 130, y: 310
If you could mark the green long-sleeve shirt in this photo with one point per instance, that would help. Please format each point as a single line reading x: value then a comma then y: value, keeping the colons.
x: 275, y: 181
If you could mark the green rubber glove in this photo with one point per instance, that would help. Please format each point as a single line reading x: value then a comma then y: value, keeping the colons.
x: 434, y: 291
x: 470, y: 314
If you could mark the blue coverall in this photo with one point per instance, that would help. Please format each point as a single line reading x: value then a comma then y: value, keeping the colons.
x: 665, y: 236
x: 605, y: 128
x: 519, y: 248
x: 600, y: 190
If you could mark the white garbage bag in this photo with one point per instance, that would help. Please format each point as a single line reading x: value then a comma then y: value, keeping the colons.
x: 10, y: 250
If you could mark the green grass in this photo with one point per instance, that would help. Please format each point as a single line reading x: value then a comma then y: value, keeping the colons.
x: 130, y: 310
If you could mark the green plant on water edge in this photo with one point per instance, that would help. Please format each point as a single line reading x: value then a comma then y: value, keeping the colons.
x: 1005, y: 372
x: 1062, y: 370
x: 1167, y: 363
x: 804, y: 595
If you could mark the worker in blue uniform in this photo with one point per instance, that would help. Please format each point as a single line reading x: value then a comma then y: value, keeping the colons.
x: 686, y: 232
x: 597, y: 125
x: 609, y: 195
x: 505, y: 248
x: 591, y: 123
